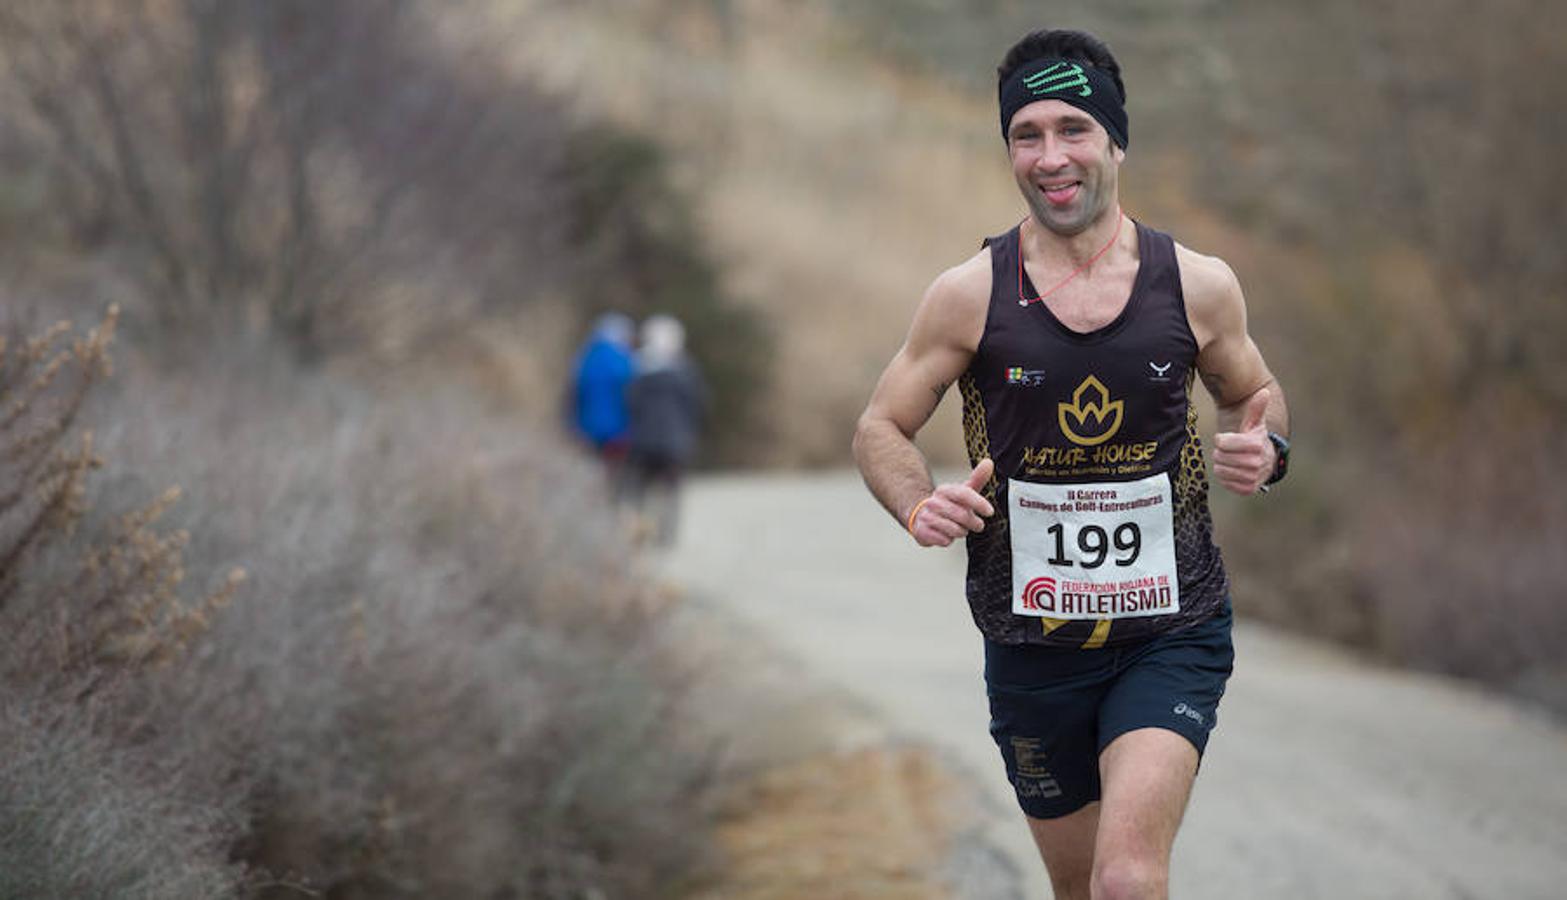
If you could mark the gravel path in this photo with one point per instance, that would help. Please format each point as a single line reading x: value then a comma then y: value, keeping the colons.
x: 1327, y: 778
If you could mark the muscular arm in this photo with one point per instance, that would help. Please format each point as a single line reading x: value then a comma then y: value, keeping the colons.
x: 945, y: 333
x: 1249, y: 400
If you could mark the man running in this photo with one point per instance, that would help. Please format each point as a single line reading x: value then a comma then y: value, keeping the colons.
x: 1092, y: 573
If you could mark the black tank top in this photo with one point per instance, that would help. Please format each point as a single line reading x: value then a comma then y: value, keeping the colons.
x: 1100, y: 421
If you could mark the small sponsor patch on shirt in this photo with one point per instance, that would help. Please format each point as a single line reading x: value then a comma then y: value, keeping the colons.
x: 1025, y: 377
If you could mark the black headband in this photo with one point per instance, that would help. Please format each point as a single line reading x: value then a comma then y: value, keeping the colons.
x: 1089, y: 89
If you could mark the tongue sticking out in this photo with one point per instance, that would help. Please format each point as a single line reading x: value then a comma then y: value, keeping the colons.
x: 1060, y: 196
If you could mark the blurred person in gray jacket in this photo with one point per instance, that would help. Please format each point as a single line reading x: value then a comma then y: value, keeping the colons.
x: 667, y: 400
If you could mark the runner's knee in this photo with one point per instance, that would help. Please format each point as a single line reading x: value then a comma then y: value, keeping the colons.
x: 1130, y: 877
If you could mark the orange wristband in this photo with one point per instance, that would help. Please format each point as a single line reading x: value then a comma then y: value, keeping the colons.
x: 915, y: 512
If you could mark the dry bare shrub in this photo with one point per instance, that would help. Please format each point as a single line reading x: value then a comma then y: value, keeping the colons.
x: 92, y: 802
x: 110, y: 601
x: 448, y: 678
x: 363, y: 176
x: 286, y: 166
x: 42, y: 387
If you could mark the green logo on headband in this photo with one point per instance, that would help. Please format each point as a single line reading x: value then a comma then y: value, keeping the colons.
x: 1062, y: 77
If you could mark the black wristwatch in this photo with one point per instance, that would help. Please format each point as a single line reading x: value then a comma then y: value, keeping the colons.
x: 1281, y: 462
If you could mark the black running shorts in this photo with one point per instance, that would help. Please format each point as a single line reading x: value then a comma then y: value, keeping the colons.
x: 1054, y: 710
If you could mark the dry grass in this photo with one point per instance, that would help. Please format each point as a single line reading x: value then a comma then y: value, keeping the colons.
x: 79, y: 816
x: 447, y: 681
x: 444, y: 677
x: 868, y: 824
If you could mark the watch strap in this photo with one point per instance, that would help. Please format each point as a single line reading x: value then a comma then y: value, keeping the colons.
x: 1281, y: 461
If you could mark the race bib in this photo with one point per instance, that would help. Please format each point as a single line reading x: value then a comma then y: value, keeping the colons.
x: 1093, y: 551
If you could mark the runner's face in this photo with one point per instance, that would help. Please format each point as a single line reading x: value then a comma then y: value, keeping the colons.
x: 1064, y: 163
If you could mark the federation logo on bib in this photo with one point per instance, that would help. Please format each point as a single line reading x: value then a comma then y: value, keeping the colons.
x: 1098, y: 417
x: 1040, y: 595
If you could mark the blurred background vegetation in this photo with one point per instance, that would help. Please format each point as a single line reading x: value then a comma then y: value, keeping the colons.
x: 389, y: 640
x: 1384, y: 181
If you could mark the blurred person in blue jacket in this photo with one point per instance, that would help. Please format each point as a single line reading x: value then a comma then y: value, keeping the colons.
x: 667, y: 400
x: 597, y: 400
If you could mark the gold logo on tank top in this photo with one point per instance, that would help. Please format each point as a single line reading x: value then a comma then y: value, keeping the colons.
x: 1091, y: 404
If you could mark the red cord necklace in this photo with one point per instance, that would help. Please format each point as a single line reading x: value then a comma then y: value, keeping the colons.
x: 1024, y: 301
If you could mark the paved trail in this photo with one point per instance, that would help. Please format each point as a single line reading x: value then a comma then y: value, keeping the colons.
x: 1327, y: 778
